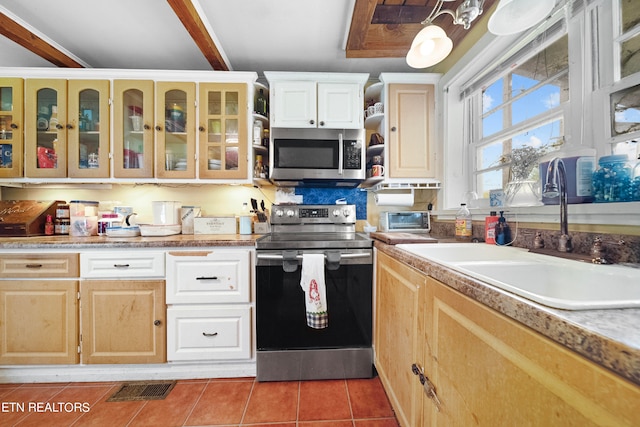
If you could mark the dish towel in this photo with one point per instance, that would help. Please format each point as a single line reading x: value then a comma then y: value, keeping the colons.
x: 315, y: 291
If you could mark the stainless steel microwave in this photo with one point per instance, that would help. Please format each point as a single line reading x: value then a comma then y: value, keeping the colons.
x: 317, y: 156
x: 405, y: 221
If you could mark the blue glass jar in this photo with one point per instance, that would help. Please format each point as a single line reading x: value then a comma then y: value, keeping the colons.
x: 612, y: 181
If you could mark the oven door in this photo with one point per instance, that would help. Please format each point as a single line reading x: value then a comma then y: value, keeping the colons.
x: 288, y: 349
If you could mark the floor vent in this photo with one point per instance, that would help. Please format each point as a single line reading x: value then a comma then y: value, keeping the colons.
x: 142, y: 390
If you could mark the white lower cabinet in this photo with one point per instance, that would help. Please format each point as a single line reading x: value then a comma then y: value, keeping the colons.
x: 209, y: 314
x: 209, y: 332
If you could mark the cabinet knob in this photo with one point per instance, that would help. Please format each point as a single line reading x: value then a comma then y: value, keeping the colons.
x: 14, y: 126
x: 393, y: 129
x: 147, y: 127
x: 157, y: 323
x: 59, y: 126
x: 201, y: 128
x: 158, y: 128
x: 321, y: 123
x: 312, y: 122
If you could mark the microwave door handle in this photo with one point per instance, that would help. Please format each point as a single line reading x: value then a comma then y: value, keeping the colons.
x: 340, y: 154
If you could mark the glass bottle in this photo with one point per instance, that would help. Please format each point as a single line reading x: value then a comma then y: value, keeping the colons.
x: 463, y: 223
x: 261, y: 103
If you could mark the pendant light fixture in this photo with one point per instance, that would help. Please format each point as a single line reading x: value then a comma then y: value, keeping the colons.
x: 515, y: 16
x: 431, y: 45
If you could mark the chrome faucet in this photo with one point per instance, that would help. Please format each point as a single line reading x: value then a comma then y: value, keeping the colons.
x: 556, y: 184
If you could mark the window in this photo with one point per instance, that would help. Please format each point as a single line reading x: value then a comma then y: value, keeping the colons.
x: 524, y: 110
x: 628, y: 40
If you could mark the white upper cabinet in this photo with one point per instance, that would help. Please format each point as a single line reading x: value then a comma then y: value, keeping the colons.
x: 316, y: 100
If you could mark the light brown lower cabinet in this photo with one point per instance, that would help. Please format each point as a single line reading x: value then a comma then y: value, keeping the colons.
x: 123, y: 321
x: 484, y: 369
x: 38, y: 322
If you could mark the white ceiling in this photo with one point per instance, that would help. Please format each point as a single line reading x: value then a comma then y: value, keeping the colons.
x: 252, y: 35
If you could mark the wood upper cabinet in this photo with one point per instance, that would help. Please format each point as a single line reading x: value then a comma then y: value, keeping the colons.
x: 490, y: 370
x: 175, y: 130
x: 312, y: 104
x: 223, y: 128
x: 411, y: 111
x: 11, y: 128
x: 398, y: 336
x: 67, y: 128
x: 133, y: 134
x: 39, y: 322
x: 123, y: 321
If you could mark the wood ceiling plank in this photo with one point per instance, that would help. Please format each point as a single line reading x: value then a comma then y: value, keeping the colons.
x: 360, y: 21
x: 32, y: 42
x: 191, y: 20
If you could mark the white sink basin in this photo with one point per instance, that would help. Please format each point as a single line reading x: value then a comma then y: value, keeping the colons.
x: 551, y: 281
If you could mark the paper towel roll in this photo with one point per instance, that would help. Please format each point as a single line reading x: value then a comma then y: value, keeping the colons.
x: 394, y: 199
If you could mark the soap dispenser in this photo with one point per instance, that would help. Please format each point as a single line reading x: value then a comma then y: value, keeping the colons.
x: 503, y: 231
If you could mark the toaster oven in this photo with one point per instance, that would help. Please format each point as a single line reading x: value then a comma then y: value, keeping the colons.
x: 405, y: 221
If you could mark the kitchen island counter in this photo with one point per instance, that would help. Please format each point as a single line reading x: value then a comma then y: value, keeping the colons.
x: 175, y: 241
x: 610, y: 337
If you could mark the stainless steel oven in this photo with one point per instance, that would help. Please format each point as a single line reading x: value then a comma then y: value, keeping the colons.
x: 288, y: 348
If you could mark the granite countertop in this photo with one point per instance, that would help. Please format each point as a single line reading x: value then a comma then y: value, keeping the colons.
x: 610, y: 338
x: 175, y: 241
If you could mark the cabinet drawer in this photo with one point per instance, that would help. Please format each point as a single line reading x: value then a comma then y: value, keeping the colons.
x: 208, y: 333
x: 208, y: 277
x: 121, y: 264
x: 38, y: 265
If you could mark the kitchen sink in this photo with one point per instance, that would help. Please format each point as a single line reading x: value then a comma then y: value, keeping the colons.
x: 554, y: 282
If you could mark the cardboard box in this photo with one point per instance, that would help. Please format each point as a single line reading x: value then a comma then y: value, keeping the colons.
x: 215, y: 225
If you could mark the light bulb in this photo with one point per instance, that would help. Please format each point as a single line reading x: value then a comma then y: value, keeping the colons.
x: 427, y: 46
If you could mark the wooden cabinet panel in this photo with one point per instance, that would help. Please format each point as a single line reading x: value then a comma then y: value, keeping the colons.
x: 123, y: 321
x: 340, y: 105
x: 208, y: 332
x: 38, y: 322
x: 39, y: 265
x: 411, y: 131
x: 398, y: 338
x: 294, y: 104
x: 490, y: 370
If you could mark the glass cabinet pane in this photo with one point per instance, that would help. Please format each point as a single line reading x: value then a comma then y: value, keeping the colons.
x: 132, y: 131
x: 11, y: 130
x: 48, y: 127
x: 88, y: 125
x: 175, y: 135
x: 6, y: 129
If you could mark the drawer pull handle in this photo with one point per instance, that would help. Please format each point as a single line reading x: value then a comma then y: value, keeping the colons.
x: 121, y: 265
x: 209, y: 335
x: 33, y: 265
x: 207, y: 278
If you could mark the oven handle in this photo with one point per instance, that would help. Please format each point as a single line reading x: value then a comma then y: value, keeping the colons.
x: 344, y: 256
x: 340, y: 154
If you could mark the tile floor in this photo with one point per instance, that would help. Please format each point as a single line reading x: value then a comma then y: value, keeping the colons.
x: 215, y: 402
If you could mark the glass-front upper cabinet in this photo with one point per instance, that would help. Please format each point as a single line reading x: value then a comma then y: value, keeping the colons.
x: 45, y: 128
x: 175, y: 130
x: 223, y: 131
x: 133, y: 128
x: 11, y: 94
x: 88, y: 129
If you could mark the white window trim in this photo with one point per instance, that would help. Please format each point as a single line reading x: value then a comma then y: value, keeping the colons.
x: 456, y: 173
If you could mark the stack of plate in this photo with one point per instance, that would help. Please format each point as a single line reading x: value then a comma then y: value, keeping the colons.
x: 214, y: 164
x: 181, y: 165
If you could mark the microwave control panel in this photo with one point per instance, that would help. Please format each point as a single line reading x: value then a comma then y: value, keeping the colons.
x: 352, y: 155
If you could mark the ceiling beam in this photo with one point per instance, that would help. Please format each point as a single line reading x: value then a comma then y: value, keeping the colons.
x: 191, y: 20
x: 34, y: 43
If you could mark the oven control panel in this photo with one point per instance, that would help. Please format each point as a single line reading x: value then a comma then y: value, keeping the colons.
x: 317, y: 214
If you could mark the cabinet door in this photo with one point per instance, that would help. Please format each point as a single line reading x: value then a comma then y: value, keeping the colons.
x: 133, y: 128
x: 399, y: 335
x: 224, y: 142
x: 39, y: 322
x: 11, y: 130
x: 293, y: 104
x: 123, y: 321
x: 411, y: 131
x: 45, y: 128
x: 88, y: 127
x: 175, y: 130
x: 490, y: 370
x: 340, y: 106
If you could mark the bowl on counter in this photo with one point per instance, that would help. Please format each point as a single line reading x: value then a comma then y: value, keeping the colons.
x: 159, y: 229
x: 123, y: 231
